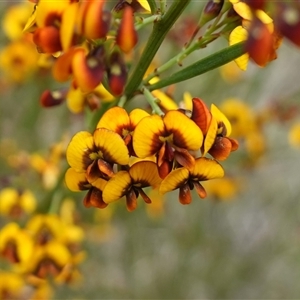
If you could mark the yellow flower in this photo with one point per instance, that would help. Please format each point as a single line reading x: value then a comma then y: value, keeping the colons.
x: 77, y: 100
x: 18, y: 60
x: 15, y: 245
x: 131, y: 183
x: 185, y: 180
x: 11, y: 285
x: 15, y: 18
x: 241, y: 117
x: 118, y: 120
x: 169, y: 138
x: 294, y: 135
x: 258, y: 30
x: 222, y: 189
x: 14, y: 203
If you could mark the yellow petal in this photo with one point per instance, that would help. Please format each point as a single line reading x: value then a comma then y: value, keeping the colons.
x: 237, y: 35
x: 186, y: 134
x: 243, y: 10
x: 136, y: 116
x: 146, y: 135
x: 112, y: 146
x: 145, y: 173
x: 78, y: 151
x: 114, y: 119
x: 116, y: 187
x: 75, y: 100
x: 266, y: 19
x: 76, y: 181
x: 221, y: 118
x: 47, y: 8
x: 206, y: 169
x: 145, y: 5
x: 174, y: 180
x: 210, y: 136
x: 67, y: 25
x: 164, y: 100
x: 103, y: 94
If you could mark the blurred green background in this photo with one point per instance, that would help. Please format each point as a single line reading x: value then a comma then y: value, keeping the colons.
x: 242, y: 247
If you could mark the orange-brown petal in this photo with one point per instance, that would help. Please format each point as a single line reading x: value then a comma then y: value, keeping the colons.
x: 94, y: 198
x: 126, y: 37
x: 131, y: 200
x: 185, y: 196
x: 221, y: 148
x: 88, y: 70
x: 199, y: 189
x: 201, y: 114
x: 62, y: 68
x: 95, y: 20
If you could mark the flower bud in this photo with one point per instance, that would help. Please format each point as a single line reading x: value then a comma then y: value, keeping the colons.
x: 47, y: 39
x: 117, y: 74
x: 52, y: 98
x: 287, y: 21
x: 126, y: 37
x: 210, y: 11
x: 88, y: 70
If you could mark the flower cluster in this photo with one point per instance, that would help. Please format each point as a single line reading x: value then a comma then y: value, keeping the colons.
x: 47, y: 248
x: 170, y: 151
x: 87, y: 42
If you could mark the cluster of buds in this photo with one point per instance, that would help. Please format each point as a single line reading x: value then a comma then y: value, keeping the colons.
x: 129, y: 152
x: 87, y: 43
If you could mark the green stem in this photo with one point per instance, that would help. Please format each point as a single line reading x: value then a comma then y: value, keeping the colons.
x: 162, y: 4
x: 153, y: 6
x: 160, y: 29
x: 152, y: 101
x: 145, y: 21
x: 202, y: 66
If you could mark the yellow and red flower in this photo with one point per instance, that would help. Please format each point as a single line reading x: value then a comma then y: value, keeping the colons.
x: 131, y: 183
x: 257, y: 30
x: 170, y: 138
x: 185, y: 180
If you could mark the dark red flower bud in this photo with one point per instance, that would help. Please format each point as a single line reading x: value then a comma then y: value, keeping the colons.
x: 116, y: 73
x: 287, y: 21
x: 210, y: 11
x: 53, y: 98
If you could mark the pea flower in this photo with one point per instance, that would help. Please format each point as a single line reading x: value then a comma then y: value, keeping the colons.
x: 185, y: 180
